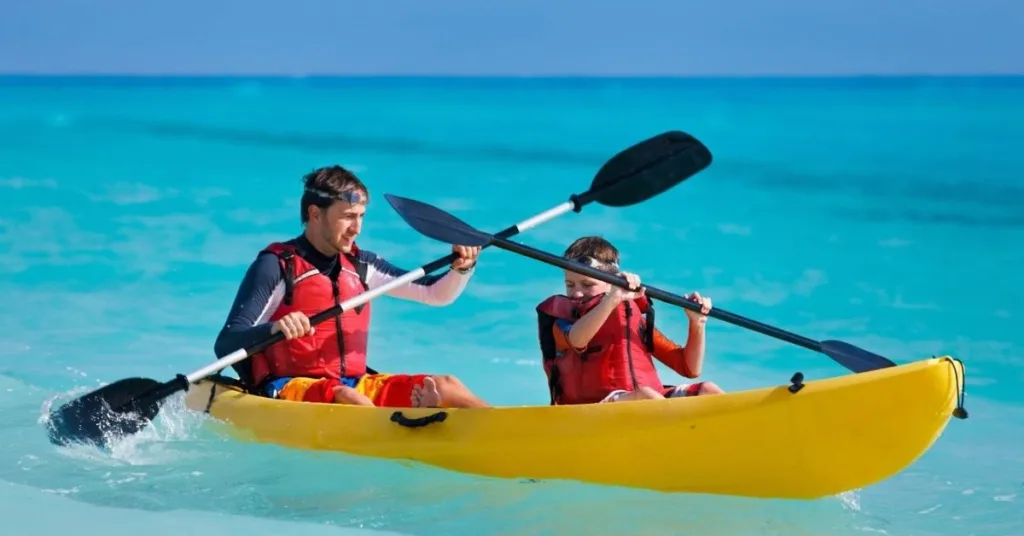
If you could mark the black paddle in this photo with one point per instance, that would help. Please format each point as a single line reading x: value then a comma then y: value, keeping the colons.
x: 439, y: 225
x: 635, y: 174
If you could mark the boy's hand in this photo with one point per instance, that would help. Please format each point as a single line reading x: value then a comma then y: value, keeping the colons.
x: 705, y: 308
x: 618, y: 295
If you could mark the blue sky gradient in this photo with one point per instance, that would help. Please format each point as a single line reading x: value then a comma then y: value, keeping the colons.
x: 527, y: 37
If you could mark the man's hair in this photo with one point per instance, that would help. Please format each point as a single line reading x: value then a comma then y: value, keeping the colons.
x: 596, y: 248
x: 323, y: 186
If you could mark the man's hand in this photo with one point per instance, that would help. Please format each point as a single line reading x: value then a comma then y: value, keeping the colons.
x: 294, y: 324
x: 467, y: 257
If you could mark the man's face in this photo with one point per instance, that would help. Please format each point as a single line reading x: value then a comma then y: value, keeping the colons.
x: 339, y: 224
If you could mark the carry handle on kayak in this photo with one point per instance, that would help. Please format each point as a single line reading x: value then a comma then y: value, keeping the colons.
x: 418, y: 422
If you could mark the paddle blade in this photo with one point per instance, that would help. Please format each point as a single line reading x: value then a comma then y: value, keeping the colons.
x: 648, y: 168
x: 89, y: 419
x: 437, y: 224
x: 854, y: 358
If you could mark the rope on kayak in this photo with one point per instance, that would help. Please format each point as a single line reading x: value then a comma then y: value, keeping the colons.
x: 961, y: 384
x: 213, y: 392
x: 221, y: 380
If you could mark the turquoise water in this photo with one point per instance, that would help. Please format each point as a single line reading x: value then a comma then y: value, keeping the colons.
x: 883, y: 212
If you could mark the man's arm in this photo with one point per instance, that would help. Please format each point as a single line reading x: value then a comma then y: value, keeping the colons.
x: 429, y: 289
x: 258, y: 295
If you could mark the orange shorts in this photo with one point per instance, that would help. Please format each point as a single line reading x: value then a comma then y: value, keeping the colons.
x: 390, y: 390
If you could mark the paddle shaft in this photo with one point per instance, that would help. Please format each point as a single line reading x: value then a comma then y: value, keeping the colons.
x: 656, y: 293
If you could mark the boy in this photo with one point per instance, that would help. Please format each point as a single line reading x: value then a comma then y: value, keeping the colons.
x: 598, y: 340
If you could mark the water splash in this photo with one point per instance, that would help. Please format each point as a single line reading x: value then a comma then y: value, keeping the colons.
x: 174, y: 423
x: 850, y: 500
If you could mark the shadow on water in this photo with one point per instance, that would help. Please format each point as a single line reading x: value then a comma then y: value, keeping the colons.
x: 995, y: 202
x: 925, y: 187
x: 334, y: 141
x: 1005, y: 221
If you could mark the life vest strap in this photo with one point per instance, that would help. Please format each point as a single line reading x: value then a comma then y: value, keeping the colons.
x: 288, y: 258
x: 649, y: 330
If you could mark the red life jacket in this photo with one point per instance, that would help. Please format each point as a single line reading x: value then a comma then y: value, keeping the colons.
x: 619, y: 356
x: 335, y: 349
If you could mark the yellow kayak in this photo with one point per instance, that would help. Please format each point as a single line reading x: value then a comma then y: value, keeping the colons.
x: 829, y: 436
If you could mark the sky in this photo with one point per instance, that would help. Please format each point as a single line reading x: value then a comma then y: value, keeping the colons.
x: 525, y: 37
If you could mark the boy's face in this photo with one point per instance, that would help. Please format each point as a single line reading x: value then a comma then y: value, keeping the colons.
x: 581, y: 287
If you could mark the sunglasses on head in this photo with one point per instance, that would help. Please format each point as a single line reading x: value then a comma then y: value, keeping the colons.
x: 594, y: 263
x: 352, y: 197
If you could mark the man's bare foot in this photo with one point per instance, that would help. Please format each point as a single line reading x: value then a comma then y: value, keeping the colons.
x: 426, y: 396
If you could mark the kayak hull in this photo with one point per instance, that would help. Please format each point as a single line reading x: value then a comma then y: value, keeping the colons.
x: 830, y: 436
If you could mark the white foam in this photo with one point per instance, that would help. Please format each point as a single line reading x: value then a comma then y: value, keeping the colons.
x: 147, y: 447
x: 850, y: 500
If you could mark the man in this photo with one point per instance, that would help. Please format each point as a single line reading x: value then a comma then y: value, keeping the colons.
x: 292, y: 281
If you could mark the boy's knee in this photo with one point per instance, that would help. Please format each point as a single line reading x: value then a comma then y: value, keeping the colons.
x: 710, y: 388
x: 647, y: 393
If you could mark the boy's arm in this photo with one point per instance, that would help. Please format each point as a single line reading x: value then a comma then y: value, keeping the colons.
x: 587, y: 326
x: 685, y: 360
x: 561, y: 330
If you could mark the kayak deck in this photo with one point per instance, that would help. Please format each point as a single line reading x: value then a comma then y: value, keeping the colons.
x: 830, y: 436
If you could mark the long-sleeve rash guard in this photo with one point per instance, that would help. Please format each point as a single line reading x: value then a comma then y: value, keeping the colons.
x: 262, y: 290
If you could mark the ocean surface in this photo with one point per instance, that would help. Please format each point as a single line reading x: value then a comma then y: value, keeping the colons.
x: 885, y: 212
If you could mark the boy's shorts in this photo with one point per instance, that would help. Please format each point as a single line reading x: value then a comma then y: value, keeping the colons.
x: 390, y: 390
x: 678, y: 391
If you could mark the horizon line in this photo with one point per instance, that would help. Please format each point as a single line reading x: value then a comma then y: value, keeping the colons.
x: 595, y: 76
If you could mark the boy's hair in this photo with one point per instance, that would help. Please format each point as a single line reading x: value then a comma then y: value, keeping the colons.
x: 603, y: 254
x: 324, y: 186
